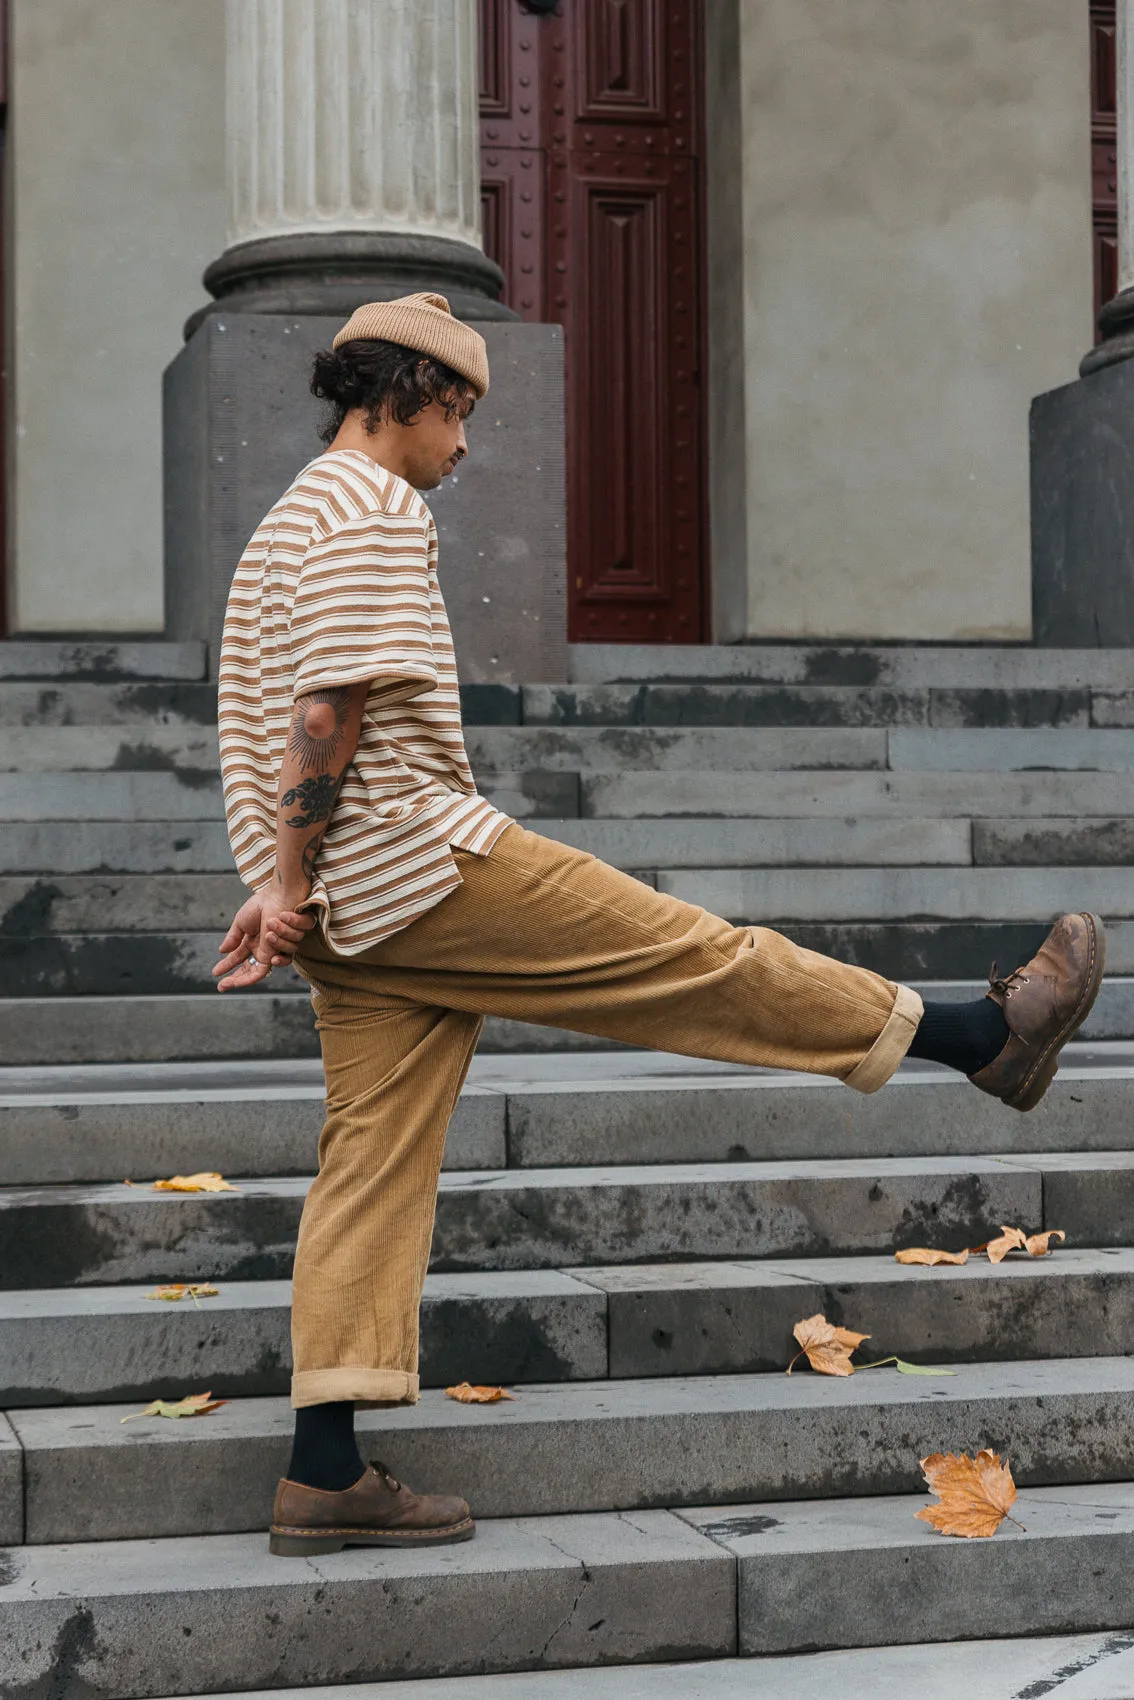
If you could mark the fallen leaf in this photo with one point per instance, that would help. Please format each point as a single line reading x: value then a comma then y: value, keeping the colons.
x: 193, y: 1405
x: 1011, y: 1239
x: 182, y: 1290
x: 1039, y: 1245
x: 904, y: 1368
x: 207, y: 1181
x: 975, y: 1494
x: 923, y: 1254
x: 827, y: 1348
x: 477, y: 1395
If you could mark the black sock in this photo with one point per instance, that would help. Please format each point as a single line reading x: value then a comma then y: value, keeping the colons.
x: 324, y: 1453
x: 964, y: 1036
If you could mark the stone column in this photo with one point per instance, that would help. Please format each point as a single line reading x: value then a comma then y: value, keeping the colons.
x: 353, y: 158
x: 1116, y: 320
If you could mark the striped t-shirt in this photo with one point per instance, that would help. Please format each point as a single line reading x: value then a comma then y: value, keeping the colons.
x: 338, y: 585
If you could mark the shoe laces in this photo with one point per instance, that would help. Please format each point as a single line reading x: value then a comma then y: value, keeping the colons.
x: 1006, y: 984
x: 391, y: 1481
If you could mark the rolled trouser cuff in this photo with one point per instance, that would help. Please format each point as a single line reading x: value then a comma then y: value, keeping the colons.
x: 891, y: 1044
x: 362, y: 1386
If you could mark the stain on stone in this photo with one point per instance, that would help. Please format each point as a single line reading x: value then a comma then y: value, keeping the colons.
x: 32, y: 913
x: 76, y: 1646
x: 735, y: 1528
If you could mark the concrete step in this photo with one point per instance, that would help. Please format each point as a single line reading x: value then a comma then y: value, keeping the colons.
x: 748, y: 1592
x: 696, y: 704
x: 895, y: 666
x: 157, y: 1618
x: 867, y: 1573
x: 770, y: 896
x: 735, y: 886
x: 65, y: 1125
x: 580, y: 1446
x: 68, y: 701
x: 1097, y: 1666
x: 188, y: 750
x: 98, y: 1235
x: 98, y: 1344
x: 104, y: 660
x: 101, y: 968
x: 112, y: 1343
x: 831, y: 794
x: 198, y: 1025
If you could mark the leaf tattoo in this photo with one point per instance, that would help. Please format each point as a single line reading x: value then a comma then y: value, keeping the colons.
x: 317, y: 728
x: 310, y: 852
x: 316, y: 798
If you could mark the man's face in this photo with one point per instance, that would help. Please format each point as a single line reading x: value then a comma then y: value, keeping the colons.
x: 435, y: 443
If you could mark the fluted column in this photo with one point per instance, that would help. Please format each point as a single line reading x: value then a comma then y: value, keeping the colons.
x: 1116, y: 319
x: 352, y: 157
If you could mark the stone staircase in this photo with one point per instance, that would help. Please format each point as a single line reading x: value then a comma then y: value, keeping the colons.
x: 624, y: 1239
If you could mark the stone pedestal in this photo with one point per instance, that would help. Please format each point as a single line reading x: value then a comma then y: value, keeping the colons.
x: 240, y: 423
x: 1082, y: 462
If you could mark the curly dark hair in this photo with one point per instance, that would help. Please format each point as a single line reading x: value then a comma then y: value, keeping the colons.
x: 386, y: 379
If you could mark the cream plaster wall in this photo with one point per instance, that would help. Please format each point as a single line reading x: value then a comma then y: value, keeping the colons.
x: 916, y: 266
x: 117, y: 178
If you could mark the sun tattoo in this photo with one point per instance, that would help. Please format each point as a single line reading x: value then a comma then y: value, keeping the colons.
x: 317, y: 729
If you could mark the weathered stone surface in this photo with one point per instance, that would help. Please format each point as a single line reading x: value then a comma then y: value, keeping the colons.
x: 702, y: 1440
x: 696, y: 1319
x: 62, y: 702
x: 260, y: 1129
x: 106, y: 1235
x: 115, y: 1343
x: 1009, y: 750
x: 161, y: 794
x: 896, y: 666
x: 768, y: 843
x: 995, y: 706
x: 101, y: 659
x: 828, y: 1574
x: 1088, y: 1194
x: 73, y: 749
x: 100, y: 847
x: 660, y: 749
x: 872, y: 894
x: 119, y: 903
x: 695, y: 704
x: 1054, y: 843
x: 11, y: 1486
x: 1113, y: 708
x: 140, y: 1618
x: 200, y: 1025
x: 724, y: 794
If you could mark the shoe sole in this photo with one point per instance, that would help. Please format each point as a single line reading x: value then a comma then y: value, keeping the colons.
x: 306, y: 1543
x: 1047, y: 1065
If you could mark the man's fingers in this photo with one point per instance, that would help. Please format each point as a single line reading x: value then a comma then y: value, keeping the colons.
x: 232, y: 938
x: 279, y: 930
x: 233, y: 957
x: 248, y: 974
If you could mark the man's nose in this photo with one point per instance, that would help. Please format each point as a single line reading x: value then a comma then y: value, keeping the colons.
x: 462, y: 443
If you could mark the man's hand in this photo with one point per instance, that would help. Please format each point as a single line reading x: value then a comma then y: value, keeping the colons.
x: 265, y: 934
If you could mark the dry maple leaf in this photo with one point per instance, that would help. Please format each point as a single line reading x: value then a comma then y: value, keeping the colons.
x: 975, y: 1494
x: 182, y: 1290
x: 467, y: 1395
x: 207, y: 1181
x: 1011, y: 1239
x: 1039, y: 1245
x: 193, y: 1405
x: 923, y: 1254
x: 827, y: 1348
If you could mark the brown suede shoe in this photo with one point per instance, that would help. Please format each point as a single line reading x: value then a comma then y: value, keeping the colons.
x: 376, y: 1512
x: 1045, y: 1003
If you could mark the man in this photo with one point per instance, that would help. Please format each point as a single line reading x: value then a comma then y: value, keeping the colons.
x: 350, y: 800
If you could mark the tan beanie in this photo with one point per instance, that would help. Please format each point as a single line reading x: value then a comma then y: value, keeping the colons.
x: 423, y: 322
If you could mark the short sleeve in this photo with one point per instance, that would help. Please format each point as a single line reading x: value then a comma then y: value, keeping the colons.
x: 362, y: 609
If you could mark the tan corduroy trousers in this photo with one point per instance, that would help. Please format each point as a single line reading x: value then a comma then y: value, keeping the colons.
x: 537, y: 932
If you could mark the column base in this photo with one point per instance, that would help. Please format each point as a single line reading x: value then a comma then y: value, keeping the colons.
x: 330, y: 274
x: 1116, y: 321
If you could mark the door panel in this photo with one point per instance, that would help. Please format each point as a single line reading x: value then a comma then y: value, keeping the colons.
x: 614, y: 213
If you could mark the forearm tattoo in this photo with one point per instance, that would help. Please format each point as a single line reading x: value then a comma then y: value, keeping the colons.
x: 316, y: 799
x: 310, y: 851
x: 317, y: 727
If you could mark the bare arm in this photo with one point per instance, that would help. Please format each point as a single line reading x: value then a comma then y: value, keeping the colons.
x: 321, y: 743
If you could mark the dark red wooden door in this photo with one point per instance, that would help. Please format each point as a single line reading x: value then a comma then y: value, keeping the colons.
x: 593, y: 204
x: 1104, y: 150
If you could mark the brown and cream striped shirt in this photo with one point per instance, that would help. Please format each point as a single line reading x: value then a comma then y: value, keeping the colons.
x: 338, y: 585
